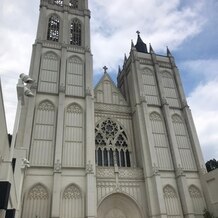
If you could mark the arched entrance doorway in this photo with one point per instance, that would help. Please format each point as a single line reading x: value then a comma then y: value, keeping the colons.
x: 118, y: 206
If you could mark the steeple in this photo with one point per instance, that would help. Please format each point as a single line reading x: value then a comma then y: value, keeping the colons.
x: 140, y: 45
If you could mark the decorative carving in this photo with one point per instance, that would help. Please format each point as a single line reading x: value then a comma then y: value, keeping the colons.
x: 147, y: 71
x: 169, y: 192
x: 194, y: 192
x: 146, y: 62
x: 89, y: 168
x: 164, y: 65
x: 154, y: 116
x: 184, y: 104
x: 38, y: 193
x: 155, y: 170
x: 112, y: 108
x: 74, y: 108
x: 62, y: 88
x: 24, y: 163
x: 46, y: 106
x: 72, y: 192
x: 177, y: 119
x: 131, y: 173
x: 203, y: 170
x: 74, y: 60
x: 166, y: 74
x: 87, y: 49
x: 164, y: 101
x: 88, y: 92
x: 57, y: 166
x: 179, y: 171
x: 105, y: 172
x: 106, y: 185
x: 143, y: 99
x: 50, y: 56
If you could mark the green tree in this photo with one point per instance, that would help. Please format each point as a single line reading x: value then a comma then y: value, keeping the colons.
x: 211, y: 165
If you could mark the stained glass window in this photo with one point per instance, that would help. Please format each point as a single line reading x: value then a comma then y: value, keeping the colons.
x: 53, y: 28
x: 111, y: 145
x: 73, y: 4
x: 75, y: 32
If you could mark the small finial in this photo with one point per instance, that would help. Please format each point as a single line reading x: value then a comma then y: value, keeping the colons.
x: 105, y: 69
x: 119, y: 69
x: 125, y: 58
x: 138, y: 32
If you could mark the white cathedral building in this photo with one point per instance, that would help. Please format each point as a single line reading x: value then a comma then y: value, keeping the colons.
x: 111, y: 151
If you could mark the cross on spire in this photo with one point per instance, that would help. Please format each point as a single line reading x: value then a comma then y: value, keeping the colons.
x: 105, y: 69
x: 138, y: 32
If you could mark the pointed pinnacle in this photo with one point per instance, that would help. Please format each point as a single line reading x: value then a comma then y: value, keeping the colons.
x: 125, y: 58
x: 132, y: 44
x: 168, y: 52
x: 119, y: 69
x: 151, y: 49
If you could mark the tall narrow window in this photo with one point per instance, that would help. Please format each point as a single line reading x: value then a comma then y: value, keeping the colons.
x: 72, y: 203
x: 42, y: 146
x: 73, y: 4
x: 53, y: 28
x: 161, y: 143
x: 172, y: 202
x: 197, y: 200
x: 73, y: 148
x: 75, y: 32
x: 37, y: 203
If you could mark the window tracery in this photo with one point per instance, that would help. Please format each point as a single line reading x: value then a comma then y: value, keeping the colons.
x: 73, y: 4
x: 53, y: 28
x: 75, y: 32
x: 111, y: 145
x: 58, y: 2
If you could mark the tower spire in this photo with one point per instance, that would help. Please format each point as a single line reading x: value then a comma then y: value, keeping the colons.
x: 140, y: 45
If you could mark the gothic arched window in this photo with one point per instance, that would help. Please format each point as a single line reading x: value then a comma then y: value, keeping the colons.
x: 73, y: 148
x: 37, y: 202
x: 53, y: 28
x: 197, y: 200
x: 75, y: 32
x: 73, y: 4
x: 72, y: 203
x: 42, y: 146
x: 172, y: 202
x: 111, y: 145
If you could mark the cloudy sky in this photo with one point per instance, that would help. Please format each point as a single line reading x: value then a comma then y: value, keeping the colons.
x: 188, y: 27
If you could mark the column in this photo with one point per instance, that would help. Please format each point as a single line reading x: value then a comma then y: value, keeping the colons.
x: 91, y: 190
x: 55, y: 213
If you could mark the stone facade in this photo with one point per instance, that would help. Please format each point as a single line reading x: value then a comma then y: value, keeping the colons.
x: 122, y: 151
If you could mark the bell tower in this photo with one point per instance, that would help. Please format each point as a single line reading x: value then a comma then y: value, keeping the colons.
x: 56, y: 128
